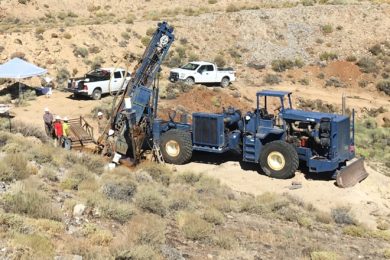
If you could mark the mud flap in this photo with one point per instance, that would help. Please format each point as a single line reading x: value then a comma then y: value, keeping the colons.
x: 352, y: 174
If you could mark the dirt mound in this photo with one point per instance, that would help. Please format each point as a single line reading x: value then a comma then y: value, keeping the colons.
x: 203, y: 99
x: 347, y: 72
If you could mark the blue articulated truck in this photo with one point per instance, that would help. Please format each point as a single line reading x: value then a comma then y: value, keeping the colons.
x: 276, y: 140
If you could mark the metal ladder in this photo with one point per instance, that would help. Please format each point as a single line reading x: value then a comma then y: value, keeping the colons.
x: 157, y: 153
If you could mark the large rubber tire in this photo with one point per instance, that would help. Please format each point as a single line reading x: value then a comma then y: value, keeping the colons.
x: 279, y: 160
x: 176, y: 146
x: 189, y: 81
x: 96, y: 94
x: 225, y: 82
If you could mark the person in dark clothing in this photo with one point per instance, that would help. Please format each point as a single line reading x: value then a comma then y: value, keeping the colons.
x: 48, y: 120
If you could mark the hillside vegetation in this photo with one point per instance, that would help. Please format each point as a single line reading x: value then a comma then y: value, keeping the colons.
x: 56, y: 202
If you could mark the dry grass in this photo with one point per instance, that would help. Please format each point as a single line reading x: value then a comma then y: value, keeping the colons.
x: 150, y: 200
x: 193, y: 226
x: 15, y: 167
x: 324, y: 255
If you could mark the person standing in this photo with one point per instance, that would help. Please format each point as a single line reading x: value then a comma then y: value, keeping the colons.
x: 66, y: 142
x: 58, y: 130
x: 48, y: 120
x: 102, y: 122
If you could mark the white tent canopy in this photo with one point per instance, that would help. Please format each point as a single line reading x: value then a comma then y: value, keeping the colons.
x: 20, y: 69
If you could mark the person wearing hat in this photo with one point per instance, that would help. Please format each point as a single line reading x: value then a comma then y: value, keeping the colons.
x: 109, y: 147
x: 48, y: 120
x: 102, y: 122
x: 65, y: 127
x: 58, y: 129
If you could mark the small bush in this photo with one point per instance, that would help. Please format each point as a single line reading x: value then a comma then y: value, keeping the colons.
x: 367, y: 65
x: 125, y: 35
x: 151, y: 201
x: 80, y: 52
x: 225, y: 240
x: 272, y: 79
x: 282, y: 65
x: 117, y: 211
x: 355, y: 231
x: 304, y: 81
x: 97, y: 62
x: 147, y: 229
x: 121, y: 190
x: 41, y: 246
x: 213, y: 216
x: 62, y: 75
x: 335, y: 82
x: 212, y: 2
x: 323, y: 255
x: 158, y: 172
x: 376, y: 49
x: 327, y: 28
x: 145, y: 40
x: 150, y: 32
x: 351, y: 58
x: 188, y: 178
x: 139, y: 252
x: 232, y: 8
x: 342, y: 215
x: 67, y: 36
x: 327, y: 56
x: 220, y: 61
x: 384, y: 86
x: 31, y: 203
x: 193, y: 226
x: 14, y: 167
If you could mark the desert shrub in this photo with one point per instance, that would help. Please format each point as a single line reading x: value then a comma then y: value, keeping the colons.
x: 145, y: 40
x: 213, y: 216
x: 138, y: 252
x: 232, y: 8
x: 158, y: 172
x: 384, y: 86
x: 80, y: 52
x: 193, y: 226
x: 97, y: 62
x: 39, y: 30
x: 262, y: 204
x: 5, y: 99
x: 282, y: 65
x: 147, y: 229
x: 49, y: 173
x: 67, y: 36
x: 93, y: 163
x: 150, y: 31
x: 14, y: 167
x: 23, y: 2
x: 151, y: 201
x: 174, y: 61
x: 219, y: 60
x: 327, y: 28
x: 335, y: 82
x: 327, y: 56
x: 94, y: 49
x: 342, y: 215
x: 323, y: 217
x: 355, y: 231
x: 304, y: 81
x: 212, y: 2
x: 120, y: 190
x: 351, y: 58
x: 323, y: 255
x: 40, y: 245
x: 225, y: 240
x: 367, y: 65
x: 77, y: 174
x: 31, y: 203
x: 376, y: 49
x: 308, y: 2
x: 117, y: 211
x: 188, y: 178
x: 180, y: 200
x: 125, y: 35
x: 62, y: 75
x: 272, y: 79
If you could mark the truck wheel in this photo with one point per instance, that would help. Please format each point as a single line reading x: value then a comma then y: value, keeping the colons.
x: 279, y: 160
x: 96, y: 94
x: 176, y: 146
x: 225, y: 82
x: 190, y: 81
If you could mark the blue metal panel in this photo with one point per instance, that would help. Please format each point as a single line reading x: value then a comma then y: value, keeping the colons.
x: 140, y: 100
x: 208, y: 129
x: 309, y: 116
x: 272, y: 93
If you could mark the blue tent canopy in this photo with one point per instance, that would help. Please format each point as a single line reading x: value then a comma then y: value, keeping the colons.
x: 20, y: 69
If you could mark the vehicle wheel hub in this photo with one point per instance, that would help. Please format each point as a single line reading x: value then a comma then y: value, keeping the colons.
x: 276, y: 161
x: 172, y: 148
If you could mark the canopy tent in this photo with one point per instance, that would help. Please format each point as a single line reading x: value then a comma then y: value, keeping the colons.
x: 20, y: 69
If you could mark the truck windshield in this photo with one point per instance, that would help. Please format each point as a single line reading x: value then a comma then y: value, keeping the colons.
x: 190, y: 66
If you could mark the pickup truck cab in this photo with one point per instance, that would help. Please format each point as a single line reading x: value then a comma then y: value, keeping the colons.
x: 98, y: 82
x: 202, y: 72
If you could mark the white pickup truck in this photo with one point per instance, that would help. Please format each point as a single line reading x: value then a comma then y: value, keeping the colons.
x: 98, y: 82
x: 202, y: 72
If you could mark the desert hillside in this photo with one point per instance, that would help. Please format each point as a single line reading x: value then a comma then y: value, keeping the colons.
x: 68, y: 205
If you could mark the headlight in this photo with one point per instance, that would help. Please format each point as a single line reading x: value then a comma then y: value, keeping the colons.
x: 247, y: 118
x: 182, y: 75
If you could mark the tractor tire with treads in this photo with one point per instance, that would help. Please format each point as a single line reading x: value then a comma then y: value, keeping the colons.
x: 176, y: 146
x: 279, y: 160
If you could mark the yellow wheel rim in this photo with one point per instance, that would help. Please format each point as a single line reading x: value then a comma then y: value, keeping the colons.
x: 276, y: 161
x: 172, y: 148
